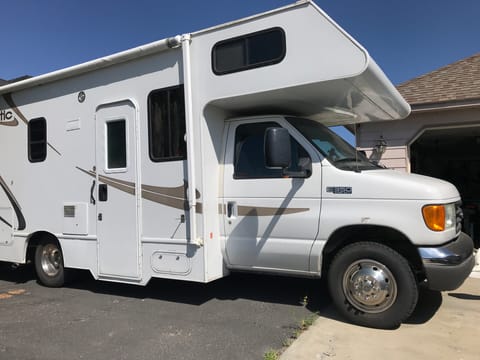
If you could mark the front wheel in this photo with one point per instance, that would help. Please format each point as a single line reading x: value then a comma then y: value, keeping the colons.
x: 49, y: 263
x: 372, y: 285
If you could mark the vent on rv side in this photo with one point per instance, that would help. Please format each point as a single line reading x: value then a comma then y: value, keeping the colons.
x: 249, y: 51
x: 75, y: 218
x: 69, y: 211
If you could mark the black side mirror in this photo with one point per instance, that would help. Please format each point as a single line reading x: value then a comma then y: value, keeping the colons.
x: 277, y: 148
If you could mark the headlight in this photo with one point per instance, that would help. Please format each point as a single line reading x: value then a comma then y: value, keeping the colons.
x: 439, y: 217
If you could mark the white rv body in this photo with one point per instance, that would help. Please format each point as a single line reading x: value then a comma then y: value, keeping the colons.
x: 189, y: 218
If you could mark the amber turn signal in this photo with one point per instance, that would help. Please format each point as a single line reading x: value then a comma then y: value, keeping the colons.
x: 434, y: 217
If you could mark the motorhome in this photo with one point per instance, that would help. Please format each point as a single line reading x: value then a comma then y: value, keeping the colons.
x: 209, y: 152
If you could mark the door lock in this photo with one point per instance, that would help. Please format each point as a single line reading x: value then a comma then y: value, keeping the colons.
x: 102, y: 192
x: 232, y: 210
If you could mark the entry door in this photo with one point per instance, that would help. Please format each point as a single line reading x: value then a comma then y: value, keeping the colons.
x: 271, y: 221
x: 117, y: 218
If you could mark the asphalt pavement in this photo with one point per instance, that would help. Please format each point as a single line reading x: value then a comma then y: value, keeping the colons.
x: 238, y: 317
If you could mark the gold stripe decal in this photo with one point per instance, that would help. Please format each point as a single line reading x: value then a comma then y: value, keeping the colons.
x: 176, y: 197
x: 169, y: 196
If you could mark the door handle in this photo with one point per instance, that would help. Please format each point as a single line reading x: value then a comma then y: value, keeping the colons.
x: 232, y: 209
x: 92, y: 189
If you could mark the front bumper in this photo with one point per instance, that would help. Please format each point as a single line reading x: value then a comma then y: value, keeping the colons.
x: 447, y: 266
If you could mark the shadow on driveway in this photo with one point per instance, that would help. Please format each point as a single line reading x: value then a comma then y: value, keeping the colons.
x: 310, y: 293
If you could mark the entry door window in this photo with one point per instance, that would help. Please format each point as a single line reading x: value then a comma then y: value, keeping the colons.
x: 116, y: 145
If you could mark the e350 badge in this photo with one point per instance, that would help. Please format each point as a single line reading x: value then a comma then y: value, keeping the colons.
x: 345, y: 190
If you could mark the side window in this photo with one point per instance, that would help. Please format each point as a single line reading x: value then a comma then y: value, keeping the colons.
x: 258, y: 49
x: 249, y: 156
x: 166, y: 124
x: 37, y: 140
x: 116, y: 144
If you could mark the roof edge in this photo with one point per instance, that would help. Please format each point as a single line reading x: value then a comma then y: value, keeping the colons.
x: 99, y: 63
x: 445, y: 105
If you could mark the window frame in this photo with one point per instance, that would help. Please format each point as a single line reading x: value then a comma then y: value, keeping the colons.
x: 246, y: 37
x: 43, y: 142
x: 267, y: 124
x: 168, y: 90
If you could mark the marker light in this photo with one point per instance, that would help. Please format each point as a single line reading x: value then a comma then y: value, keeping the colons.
x: 439, y: 217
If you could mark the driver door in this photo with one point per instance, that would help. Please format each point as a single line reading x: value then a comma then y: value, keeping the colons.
x: 270, y: 221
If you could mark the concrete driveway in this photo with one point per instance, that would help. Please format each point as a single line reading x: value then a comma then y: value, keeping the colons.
x: 443, y: 326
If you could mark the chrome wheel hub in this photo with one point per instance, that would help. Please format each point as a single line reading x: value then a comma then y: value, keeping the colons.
x: 369, y: 286
x: 51, y: 260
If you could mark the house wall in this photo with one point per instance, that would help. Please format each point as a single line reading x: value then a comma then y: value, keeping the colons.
x: 399, y: 135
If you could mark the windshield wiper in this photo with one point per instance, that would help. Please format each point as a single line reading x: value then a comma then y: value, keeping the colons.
x: 347, y: 159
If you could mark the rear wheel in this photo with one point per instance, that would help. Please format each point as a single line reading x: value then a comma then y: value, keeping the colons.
x: 49, y: 263
x: 372, y: 285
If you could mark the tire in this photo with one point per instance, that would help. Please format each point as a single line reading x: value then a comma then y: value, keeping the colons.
x: 49, y: 263
x: 372, y: 285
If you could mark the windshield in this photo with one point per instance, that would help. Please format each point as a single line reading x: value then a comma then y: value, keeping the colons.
x: 338, y: 152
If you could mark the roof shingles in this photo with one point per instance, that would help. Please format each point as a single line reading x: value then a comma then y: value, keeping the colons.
x: 459, y: 81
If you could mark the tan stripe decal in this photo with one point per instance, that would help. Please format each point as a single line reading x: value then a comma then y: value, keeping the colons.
x: 175, y: 197
x: 14, y: 122
x: 172, y: 197
x: 51, y: 147
x: 268, y: 211
x: 177, y: 192
x: 124, y: 186
x: 11, y: 103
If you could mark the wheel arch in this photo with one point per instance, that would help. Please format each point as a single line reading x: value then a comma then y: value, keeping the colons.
x: 380, y: 234
x: 34, y: 239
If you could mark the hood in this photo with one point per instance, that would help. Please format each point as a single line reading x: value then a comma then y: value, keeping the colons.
x: 391, y: 184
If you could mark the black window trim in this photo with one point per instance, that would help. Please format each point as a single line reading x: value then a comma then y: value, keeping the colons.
x: 43, y: 141
x: 251, y: 66
x: 150, y: 140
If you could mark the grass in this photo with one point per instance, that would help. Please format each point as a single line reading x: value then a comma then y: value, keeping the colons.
x: 297, y: 331
x: 271, y: 355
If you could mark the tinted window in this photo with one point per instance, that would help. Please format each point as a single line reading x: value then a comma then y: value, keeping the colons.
x: 246, y: 52
x: 166, y: 118
x: 116, y: 145
x: 249, y: 157
x: 37, y: 140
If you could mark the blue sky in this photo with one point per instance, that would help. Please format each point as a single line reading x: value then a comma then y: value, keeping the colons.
x: 407, y: 38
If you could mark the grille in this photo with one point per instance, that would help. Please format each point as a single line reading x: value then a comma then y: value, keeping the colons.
x: 459, y: 215
x: 69, y: 211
